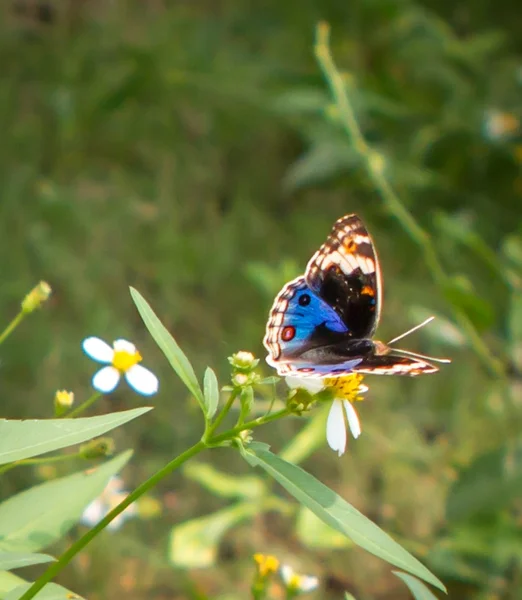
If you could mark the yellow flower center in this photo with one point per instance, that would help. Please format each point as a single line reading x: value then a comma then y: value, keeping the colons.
x: 295, y: 582
x: 347, y: 387
x: 124, y: 360
x: 266, y: 564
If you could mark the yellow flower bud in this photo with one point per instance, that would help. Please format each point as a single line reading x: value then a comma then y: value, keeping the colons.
x: 63, y: 400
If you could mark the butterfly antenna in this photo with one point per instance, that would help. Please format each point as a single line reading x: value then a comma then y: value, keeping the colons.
x: 403, y: 335
x: 415, y: 354
x: 421, y: 356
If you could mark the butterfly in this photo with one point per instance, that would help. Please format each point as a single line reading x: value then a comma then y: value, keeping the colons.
x: 321, y: 324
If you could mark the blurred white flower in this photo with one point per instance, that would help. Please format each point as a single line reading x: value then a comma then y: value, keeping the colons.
x: 111, y: 496
x: 499, y: 124
x: 347, y: 390
x: 296, y: 582
x: 121, y: 359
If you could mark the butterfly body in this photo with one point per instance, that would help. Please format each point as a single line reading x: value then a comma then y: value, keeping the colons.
x: 322, y: 323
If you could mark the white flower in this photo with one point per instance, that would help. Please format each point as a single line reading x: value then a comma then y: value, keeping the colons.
x: 298, y: 583
x: 347, y: 390
x: 121, y: 359
x: 111, y: 496
x: 500, y: 125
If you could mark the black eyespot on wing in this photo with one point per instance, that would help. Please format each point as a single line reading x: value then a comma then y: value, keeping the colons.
x: 304, y: 300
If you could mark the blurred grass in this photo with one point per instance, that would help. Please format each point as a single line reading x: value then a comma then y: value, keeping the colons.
x: 190, y: 150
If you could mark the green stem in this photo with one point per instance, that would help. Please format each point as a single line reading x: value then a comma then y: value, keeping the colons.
x: 12, y: 325
x: 71, y: 552
x: 258, y: 589
x: 84, y: 406
x: 231, y: 433
x: 219, y: 419
x: 38, y: 461
x: 374, y: 165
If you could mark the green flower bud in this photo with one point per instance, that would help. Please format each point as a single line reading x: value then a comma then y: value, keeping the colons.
x: 36, y: 297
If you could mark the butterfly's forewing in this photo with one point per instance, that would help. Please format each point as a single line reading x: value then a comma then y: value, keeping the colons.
x: 345, y: 273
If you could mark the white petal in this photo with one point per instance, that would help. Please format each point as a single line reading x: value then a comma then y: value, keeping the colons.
x: 336, y: 428
x: 353, y: 419
x: 286, y: 573
x: 308, y: 583
x: 124, y: 346
x: 313, y: 385
x: 142, y: 380
x: 93, y: 513
x: 98, y: 350
x: 363, y: 389
x: 106, y: 379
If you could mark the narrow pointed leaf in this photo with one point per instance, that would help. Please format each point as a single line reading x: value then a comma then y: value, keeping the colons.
x: 24, y: 439
x: 37, y: 517
x: 9, y: 581
x: 16, y: 560
x: 51, y: 591
x: 194, y: 544
x: 168, y: 345
x: 416, y: 587
x: 225, y: 484
x: 210, y: 392
x: 336, y: 512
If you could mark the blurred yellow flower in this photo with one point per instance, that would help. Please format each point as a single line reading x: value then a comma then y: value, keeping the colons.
x: 266, y: 564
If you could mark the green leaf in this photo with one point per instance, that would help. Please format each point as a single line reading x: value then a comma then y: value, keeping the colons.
x: 167, y: 344
x: 16, y: 560
x: 314, y: 533
x: 194, y: 544
x: 459, y: 292
x: 51, y: 591
x: 490, y: 483
x: 23, y: 439
x: 210, y: 392
x: 336, y: 512
x: 39, y: 516
x: 515, y: 328
x: 9, y: 581
x: 223, y: 484
x: 348, y: 596
x: 324, y: 160
x: 416, y: 587
x: 309, y: 438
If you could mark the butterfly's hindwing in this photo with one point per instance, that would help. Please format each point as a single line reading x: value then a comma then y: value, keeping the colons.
x: 390, y: 364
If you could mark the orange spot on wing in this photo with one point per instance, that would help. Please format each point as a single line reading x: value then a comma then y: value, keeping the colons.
x: 369, y: 291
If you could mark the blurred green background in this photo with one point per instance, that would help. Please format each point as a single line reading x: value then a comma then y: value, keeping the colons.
x: 190, y: 149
